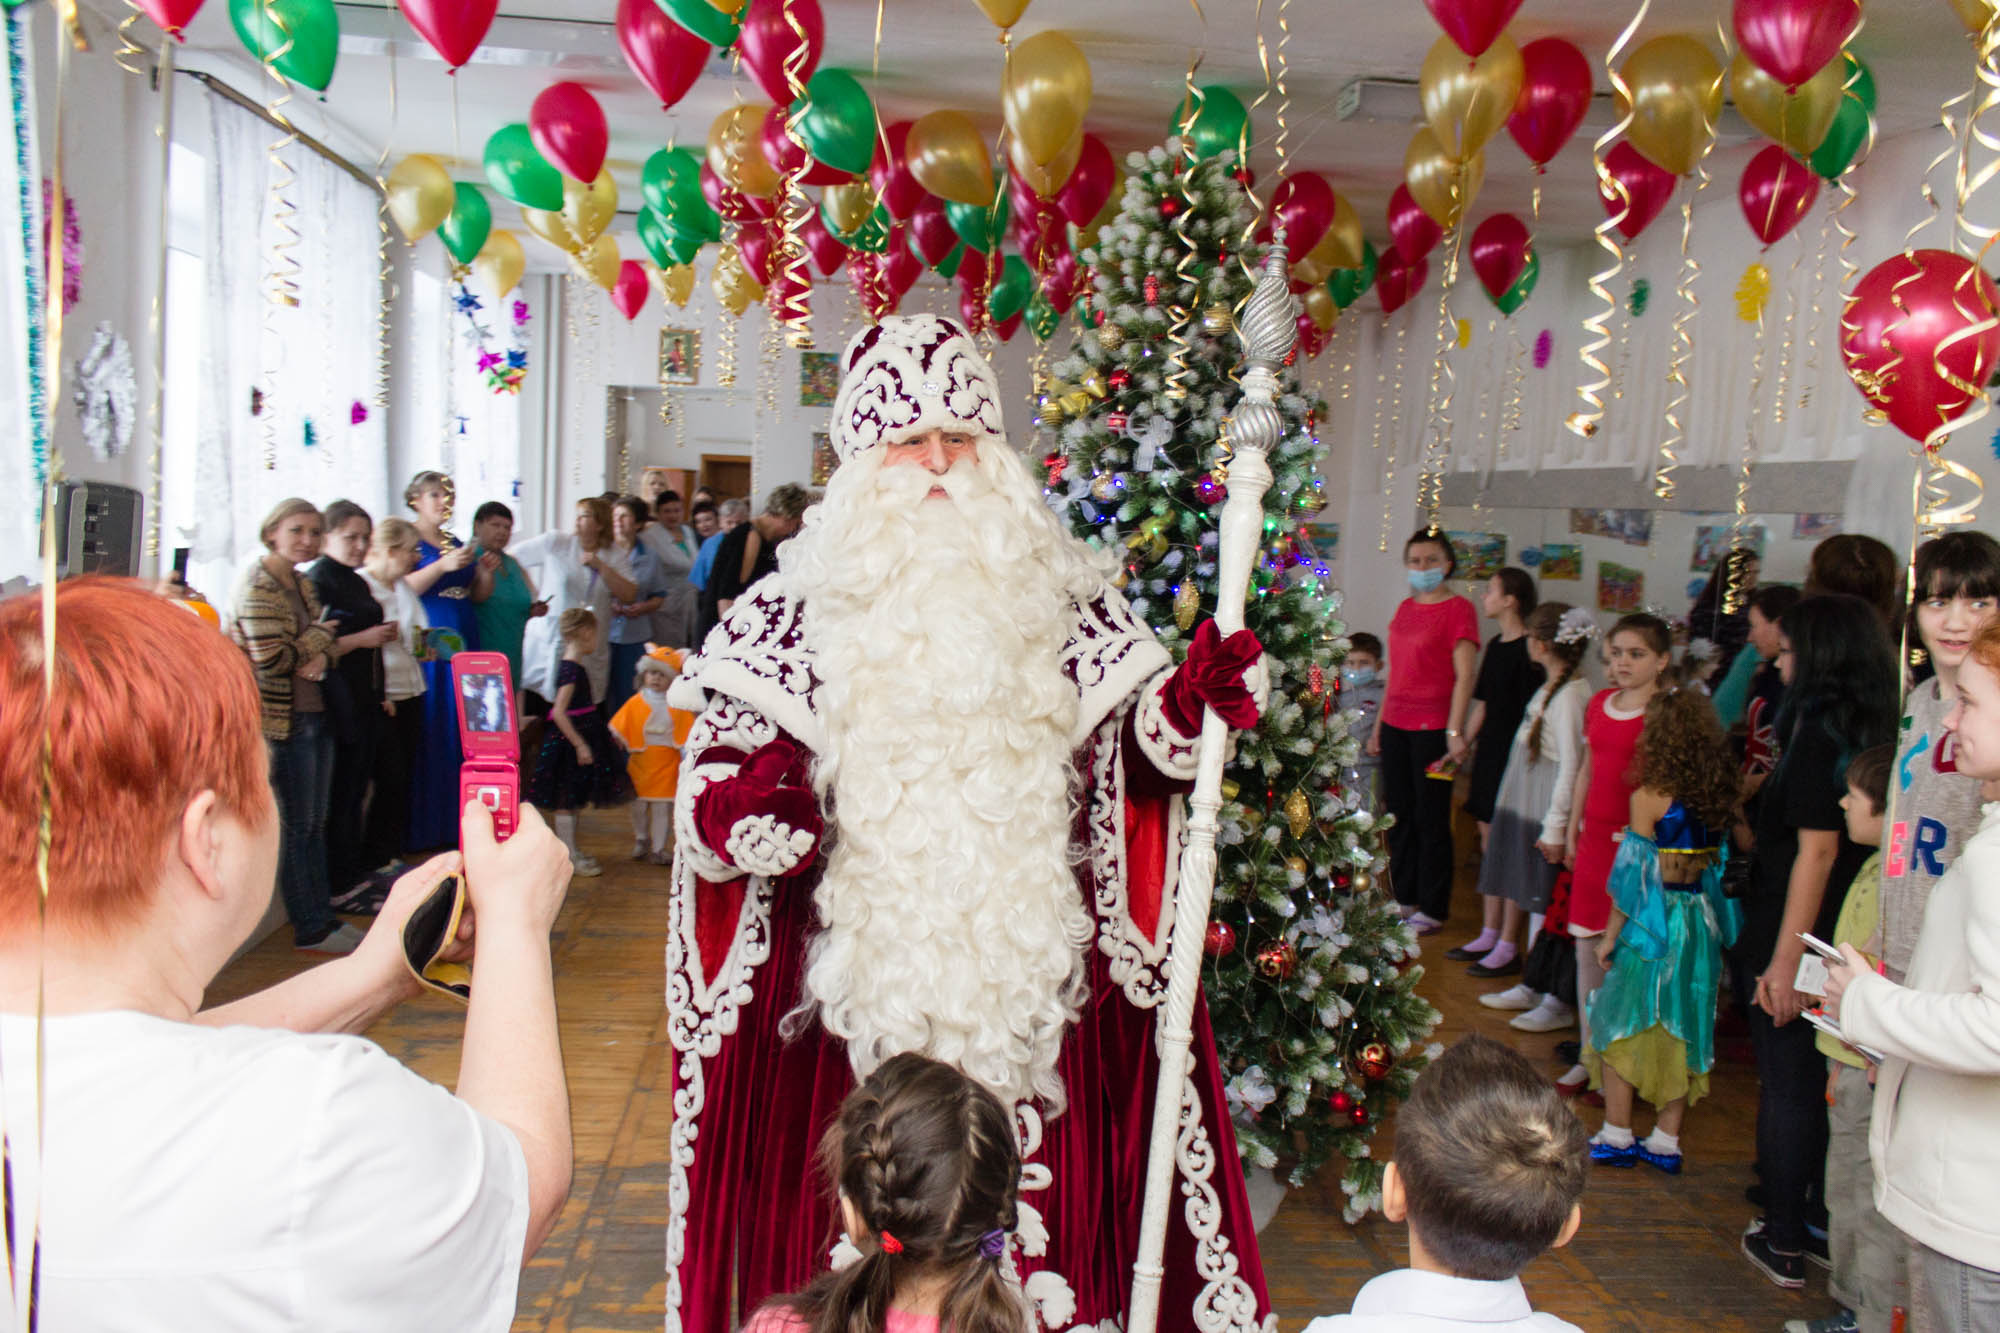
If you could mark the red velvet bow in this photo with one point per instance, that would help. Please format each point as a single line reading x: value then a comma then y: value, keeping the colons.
x: 772, y: 781
x: 1213, y: 674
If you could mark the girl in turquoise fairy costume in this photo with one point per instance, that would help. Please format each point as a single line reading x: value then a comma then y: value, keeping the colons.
x: 1652, y: 1024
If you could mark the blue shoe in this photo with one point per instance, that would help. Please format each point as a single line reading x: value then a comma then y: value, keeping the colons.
x: 1610, y: 1156
x: 1669, y: 1162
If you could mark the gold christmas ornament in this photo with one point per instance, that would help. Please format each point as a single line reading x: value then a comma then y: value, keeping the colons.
x: 1187, y: 604
x: 1298, y: 865
x: 1216, y: 318
x: 1298, y: 813
x: 1111, y: 337
x: 1361, y: 881
x: 1374, y: 1061
x: 1229, y: 789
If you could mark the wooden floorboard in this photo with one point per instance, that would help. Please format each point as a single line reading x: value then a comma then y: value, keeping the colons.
x: 1655, y: 1252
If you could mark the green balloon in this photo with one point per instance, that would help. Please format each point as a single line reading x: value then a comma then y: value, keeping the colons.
x: 298, y: 38
x: 948, y: 266
x: 1221, y: 123
x: 705, y: 20
x: 981, y: 228
x: 671, y: 182
x: 1524, y: 286
x: 872, y: 235
x: 667, y: 244
x: 518, y: 171
x: 464, y: 231
x: 1850, y: 124
x: 1043, y: 318
x: 837, y: 121
x: 1011, y: 289
x: 1348, y: 284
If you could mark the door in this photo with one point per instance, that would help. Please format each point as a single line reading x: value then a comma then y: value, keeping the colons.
x: 728, y: 475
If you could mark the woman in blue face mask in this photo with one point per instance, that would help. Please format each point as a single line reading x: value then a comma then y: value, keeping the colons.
x: 1433, y: 644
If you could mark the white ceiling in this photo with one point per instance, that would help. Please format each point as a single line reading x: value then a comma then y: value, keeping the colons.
x: 944, y: 53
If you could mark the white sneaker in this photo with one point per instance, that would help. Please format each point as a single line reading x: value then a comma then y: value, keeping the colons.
x: 1551, y: 1015
x: 639, y: 850
x: 344, y: 940
x: 1514, y: 997
x: 585, y: 867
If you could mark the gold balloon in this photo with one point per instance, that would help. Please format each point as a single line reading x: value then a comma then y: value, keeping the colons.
x: 1797, y: 120
x: 736, y: 151
x: 848, y: 206
x: 1311, y: 269
x: 1343, y: 246
x: 588, y: 209
x: 1045, y: 181
x: 1466, y: 100
x: 420, y: 195
x: 675, y: 285
x: 1319, y: 304
x: 1974, y: 14
x: 1004, y: 13
x: 1676, y: 96
x: 732, y: 283
x: 551, y: 228
x: 1442, y: 187
x: 598, y: 261
x: 948, y: 157
x: 1045, y: 93
x: 500, y: 262
x: 727, y: 6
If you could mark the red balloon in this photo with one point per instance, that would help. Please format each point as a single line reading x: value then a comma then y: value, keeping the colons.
x: 931, y: 230
x: 767, y: 41
x: 1473, y: 24
x: 666, y: 57
x: 757, y: 243
x: 1039, y: 229
x: 1303, y: 205
x: 1776, y: 191
x: 1312, y: 340
x: 1083, y: 195
x: 1555, y: 92
x: 900, y: 269
x: 1062, y: 281
x: 890, y: 174
x: 864, y: 272
x: 1792, y: 40
x: 629, y: 292
x: 791, y: 293
x: 1008, y: 327
x: 824, y: 247
x: 1397, y: 279
x: 568, y: 128
x: 972, y: 307
x: 174, y: 15
x: 732, y: 205
x: 454, y: 28
x: 1500, y: 252
x: 786, y: 156
x: 1414, y: 230
x: 1893, y: 333
x: 972, y: 272
x: 1647, y: 186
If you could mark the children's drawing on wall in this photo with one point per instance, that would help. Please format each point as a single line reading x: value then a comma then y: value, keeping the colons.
x: 1619, y: 587
x: 1481, y: 555
x: 1561, y: 560
x: 1815, y: 527
x: 1712, y: 541
x: 1634, y: 527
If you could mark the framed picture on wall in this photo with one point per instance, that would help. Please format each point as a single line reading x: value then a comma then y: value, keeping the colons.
x: 1814, y: 527
x: 1480, y: 555
x: 680, y: 356
x: 1712, y: 540
x: 819, y: 378
x: 824, y: 459
x: 1619, y: 587
x: 1561, y: 560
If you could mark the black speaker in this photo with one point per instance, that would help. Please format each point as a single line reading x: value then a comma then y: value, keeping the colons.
x: 98, y: 529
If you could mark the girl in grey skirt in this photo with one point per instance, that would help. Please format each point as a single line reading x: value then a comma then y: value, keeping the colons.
x: 1532, y: 813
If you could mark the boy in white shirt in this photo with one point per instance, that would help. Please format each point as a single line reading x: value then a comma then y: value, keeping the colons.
x: 1489, y: 1167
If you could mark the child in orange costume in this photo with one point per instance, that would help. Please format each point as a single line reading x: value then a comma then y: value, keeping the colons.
x: 652, y: 734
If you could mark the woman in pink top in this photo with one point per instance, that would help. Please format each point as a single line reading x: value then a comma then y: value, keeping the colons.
x: 1433, y: 644
x: 929, y: 1181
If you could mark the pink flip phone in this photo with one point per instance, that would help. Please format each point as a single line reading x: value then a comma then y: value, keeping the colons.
x: 489, y: 737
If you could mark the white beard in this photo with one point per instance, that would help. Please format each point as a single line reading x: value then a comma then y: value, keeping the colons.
x: 953, y: 923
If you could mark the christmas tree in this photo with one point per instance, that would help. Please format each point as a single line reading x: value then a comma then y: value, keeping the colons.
x: 1309, y: 980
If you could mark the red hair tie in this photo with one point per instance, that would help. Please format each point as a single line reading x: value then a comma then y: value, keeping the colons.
x: 890, y: 1245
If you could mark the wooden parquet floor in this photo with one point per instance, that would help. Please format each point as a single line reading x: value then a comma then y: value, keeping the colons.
x: 1655, y: 1253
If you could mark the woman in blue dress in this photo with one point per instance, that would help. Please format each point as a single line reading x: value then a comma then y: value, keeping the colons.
x: 445, y: 578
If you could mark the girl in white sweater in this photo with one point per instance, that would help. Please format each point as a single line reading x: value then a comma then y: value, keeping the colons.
x: 1937, y: 1097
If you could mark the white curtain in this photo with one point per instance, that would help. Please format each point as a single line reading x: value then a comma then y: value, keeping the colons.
x: 19, y: 250
x: 288, y: 390
x: 456, y: 422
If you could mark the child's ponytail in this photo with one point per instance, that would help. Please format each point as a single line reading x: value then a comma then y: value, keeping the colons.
x: 1566, y: 631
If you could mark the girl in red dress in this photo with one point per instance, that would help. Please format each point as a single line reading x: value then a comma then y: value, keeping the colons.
x: 1637, y: 652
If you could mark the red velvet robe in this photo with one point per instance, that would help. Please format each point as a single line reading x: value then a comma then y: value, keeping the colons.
x: 750, y: 1215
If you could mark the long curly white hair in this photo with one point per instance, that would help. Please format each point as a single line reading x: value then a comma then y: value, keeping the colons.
x: 952, y: 921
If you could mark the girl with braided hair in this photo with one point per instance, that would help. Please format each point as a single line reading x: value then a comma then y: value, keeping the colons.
x: 927, y: 1175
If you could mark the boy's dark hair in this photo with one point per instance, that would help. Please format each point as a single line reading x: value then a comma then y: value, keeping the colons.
x: 491, y: 509
x: 701, y: 507
x: 1365, y: 642
x: 342, y: 512
x: 1491, y: 1158
x: 1772, y: 600
x: 1519, y: 585
x: 1868, y: 773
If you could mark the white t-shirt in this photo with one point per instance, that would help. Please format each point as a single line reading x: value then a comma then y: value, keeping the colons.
x: 1410, y: 1301
x: 402, y: 676
x: 228, y: 1179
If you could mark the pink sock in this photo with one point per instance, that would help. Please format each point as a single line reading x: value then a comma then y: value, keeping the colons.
x: 1500, y: 955
x: 1482, y: 942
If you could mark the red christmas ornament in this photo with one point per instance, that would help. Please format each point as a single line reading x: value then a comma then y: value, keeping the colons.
x: 1315, y: 680
x: 1276, y: 960
x: 1342, y: 880
x: 1119, y: 378
x: 1116, y: 421
x: 1241, y: 176
x: 1057, y: 465
x: 1210, y: 491
x: 1359, y: 1114
x: 1152, y: 288
x: 1169, y: 206
x: 1292, y: 355
x: 1220, y: 939
x: 1341, y: 1102
x: 1374, y: 1061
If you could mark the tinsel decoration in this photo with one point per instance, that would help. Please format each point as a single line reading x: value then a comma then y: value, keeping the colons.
x: 504, y: 368
x: 1545, y: 346
x: 357, y: 415
x: 309, y: 434
x: 1752, y: 291
x: 72, y: 244
x: 1642, y: 292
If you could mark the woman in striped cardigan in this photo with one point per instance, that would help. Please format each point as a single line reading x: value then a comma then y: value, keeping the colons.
x: 290, y: 644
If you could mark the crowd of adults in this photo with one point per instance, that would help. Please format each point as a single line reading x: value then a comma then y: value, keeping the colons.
x: 350, y: 625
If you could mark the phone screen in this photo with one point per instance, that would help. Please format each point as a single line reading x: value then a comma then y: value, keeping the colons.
x: 181, y: 563
x: 484, y: 701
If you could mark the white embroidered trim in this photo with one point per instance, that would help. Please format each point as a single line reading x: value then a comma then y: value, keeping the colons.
x: 726, y: 726
x: 762, y: 845
x: 1159, y: 740
x: 1226, y: 1304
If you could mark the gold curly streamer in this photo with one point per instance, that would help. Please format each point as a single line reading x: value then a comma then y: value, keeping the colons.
x: 1809, y: 377
x: 1686, y: 304
x: 1278, y: 146
x: 385, y: 268
x: 281, y: 287
x: 1734, y: 593
x: 1517, y: 383
x: 572, y: 293
x: 725, y: 353
x: 1789, y: 348
x: 1175, y: 381
x: 1597, y: 328
x: 156, y: 316
x: 1437, y: 446
x: 793, y: 206
x: 129, y: 52
x: 1398, y: 369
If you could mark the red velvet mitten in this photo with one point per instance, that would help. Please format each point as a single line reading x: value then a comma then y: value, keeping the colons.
x: 763, y: 819
x: 1213, y: 674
